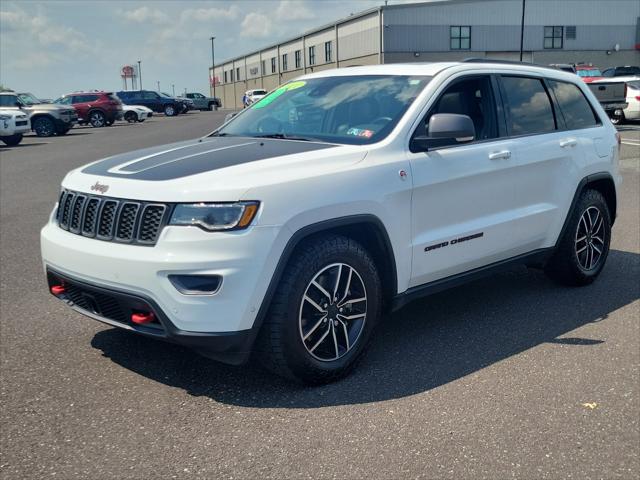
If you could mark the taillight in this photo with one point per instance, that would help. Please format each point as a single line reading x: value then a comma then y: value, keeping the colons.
x: 638, y: 97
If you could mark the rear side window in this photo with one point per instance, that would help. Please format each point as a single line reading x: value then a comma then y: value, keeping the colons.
x: 528, y: 106
x: 575, y: 108
x: 8, y: 100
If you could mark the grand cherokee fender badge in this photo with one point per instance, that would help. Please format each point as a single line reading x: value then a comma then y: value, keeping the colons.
x: 453, y: 242
x: 99, y: 187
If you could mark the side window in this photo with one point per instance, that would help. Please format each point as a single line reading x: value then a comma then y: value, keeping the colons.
x: 8, y: 100
x: 64, y: 100
x: 528, y: 106
x: 78, y: 99
x: 609, y: 72
x: 472, y: 97
x: 575, y: 108
x: 149, y: 95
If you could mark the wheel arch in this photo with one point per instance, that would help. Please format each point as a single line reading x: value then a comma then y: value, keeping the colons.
x: 366, y: 229
x: 36, y: 116
x: 602, y: 182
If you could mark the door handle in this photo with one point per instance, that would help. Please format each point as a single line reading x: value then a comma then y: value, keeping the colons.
x: 502, y: 154
x: 568, y: 142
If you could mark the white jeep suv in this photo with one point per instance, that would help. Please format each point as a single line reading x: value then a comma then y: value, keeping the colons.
x: 289, y: 231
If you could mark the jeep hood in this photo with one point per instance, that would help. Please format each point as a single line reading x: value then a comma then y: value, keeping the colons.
x: 210, y: 169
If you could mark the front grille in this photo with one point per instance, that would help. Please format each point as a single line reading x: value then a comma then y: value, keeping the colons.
x: 96, y: 302
x: 111, y: 219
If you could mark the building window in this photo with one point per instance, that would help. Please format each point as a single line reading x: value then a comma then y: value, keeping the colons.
x: 273, y: 64
x: 238, y: 74
x: 327, y: 52
x: 460, y: 37
x: 225, y: 77
x: 553, y: 37
x: 571, y: 32
x: 231, y: 74
x: 312, y: 55
x: 263, y: 67
x: 297, y: 56
x: 284, y: 62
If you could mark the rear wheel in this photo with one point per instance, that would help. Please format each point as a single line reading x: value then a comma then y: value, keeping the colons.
x: 12, y: 140
x: 323, y: 313
x: 97, y: 119
x: 43, y: 126
x: 582, y: 251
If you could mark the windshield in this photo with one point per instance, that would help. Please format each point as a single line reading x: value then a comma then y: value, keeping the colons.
x: 593, y: 72
x: 28, y: 99
x: 165, y: 94
x: 344, y: 109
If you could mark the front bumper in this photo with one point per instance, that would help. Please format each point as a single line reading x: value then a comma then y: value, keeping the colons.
x: 244, y: 259
x: 115, y: 307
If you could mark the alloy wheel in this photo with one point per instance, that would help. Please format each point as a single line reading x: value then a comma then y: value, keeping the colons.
x: 590, y: 238
x: 332, y: 313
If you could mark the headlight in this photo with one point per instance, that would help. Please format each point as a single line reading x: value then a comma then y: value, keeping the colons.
x: 215, y: 216
x: 5, y: 117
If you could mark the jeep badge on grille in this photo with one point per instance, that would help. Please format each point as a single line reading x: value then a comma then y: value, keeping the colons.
x: 99, y: 187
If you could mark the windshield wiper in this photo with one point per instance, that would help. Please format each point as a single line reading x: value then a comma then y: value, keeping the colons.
x: 283, y: 136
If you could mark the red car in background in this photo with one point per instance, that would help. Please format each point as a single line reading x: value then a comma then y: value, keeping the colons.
x: 97, y: 108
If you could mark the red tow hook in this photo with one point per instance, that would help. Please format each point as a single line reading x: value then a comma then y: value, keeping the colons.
x: 141, y: 318
x: 58, y: 289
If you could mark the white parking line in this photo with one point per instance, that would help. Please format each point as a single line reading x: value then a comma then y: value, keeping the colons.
x: 635, y: 144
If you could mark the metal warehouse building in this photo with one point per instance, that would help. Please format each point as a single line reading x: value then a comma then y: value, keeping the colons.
x: 603, y: 32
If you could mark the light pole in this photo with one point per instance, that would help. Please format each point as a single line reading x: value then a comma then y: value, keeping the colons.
x: 522, y: 29
x: 213, y: 66
x: 140, y: 73
x: 173, y: 89
x: 158, y: 82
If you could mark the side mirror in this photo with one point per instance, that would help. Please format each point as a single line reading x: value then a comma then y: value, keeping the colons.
x: 445, y: 129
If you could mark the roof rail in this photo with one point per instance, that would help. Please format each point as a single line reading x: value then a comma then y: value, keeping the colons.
x: 504, y: 62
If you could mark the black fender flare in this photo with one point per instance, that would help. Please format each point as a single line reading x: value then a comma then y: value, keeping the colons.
x: 313, y: 229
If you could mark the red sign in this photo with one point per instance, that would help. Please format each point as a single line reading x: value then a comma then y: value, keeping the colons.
x: 128, y: 71
x: 214, y: 81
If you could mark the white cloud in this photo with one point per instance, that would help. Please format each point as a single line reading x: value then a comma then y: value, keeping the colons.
x: 210, y: 14
x: 145, y: 15
x: 51, y: 40
x: 256, y: 25
x: 293, y: 10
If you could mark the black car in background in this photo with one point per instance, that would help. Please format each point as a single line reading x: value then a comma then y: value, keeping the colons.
x: 158, y: 102
x: 626, y: 71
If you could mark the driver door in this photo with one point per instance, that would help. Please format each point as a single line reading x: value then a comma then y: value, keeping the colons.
x: 462, y: 199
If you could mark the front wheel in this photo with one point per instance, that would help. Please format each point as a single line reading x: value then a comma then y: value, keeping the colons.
x: 12, y: 140
x: 97, y: 119
x: 43, y: 126
x: 323, y: 312
x: 617, y: 119
x: 582, y: 251
x: 131, y: 117
x: 170, y: 111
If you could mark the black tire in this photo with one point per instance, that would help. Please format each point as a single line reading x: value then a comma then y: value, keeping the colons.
x: 12, y: 140
x: 108, y: 123
x: 280, y: 345
x: 141, y: 120
x: 618, y: 119
x: 577, y: 262
x: 170, y: 110
x: 131, y: 117
x: 97, y: 119
x: 43, y: 126
x: 63, y: 130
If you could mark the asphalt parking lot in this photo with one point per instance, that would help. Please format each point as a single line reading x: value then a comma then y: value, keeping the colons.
x: 509, y: 376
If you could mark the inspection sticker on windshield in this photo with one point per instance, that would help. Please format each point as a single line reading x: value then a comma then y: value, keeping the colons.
x: 277, y: 92
x: 360, y: 132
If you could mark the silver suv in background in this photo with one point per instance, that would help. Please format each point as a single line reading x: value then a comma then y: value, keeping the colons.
x: 46, y: 119
x: 203, y: 103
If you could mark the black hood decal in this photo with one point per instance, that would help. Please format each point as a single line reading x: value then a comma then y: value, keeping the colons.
x: 197, y: 156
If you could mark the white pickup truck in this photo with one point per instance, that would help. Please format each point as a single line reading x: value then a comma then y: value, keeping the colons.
x: 13, y: 124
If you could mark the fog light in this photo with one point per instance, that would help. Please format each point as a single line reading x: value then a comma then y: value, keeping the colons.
x: 196, y: 284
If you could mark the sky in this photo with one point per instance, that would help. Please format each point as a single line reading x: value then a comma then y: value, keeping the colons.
x: 55, y: 47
